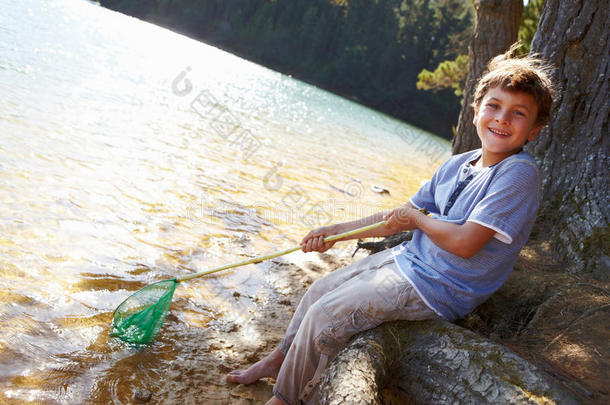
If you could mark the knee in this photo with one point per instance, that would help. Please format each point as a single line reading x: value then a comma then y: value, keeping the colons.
x: 317, y: 289
x: 315, y: 314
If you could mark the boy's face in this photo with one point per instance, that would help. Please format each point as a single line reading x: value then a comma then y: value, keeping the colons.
x: 505, y: 120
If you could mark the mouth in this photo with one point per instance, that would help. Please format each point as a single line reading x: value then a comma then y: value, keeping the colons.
x: 498, y: 132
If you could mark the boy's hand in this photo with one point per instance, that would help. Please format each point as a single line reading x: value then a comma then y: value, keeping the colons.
x: 402, y: 219
x: 314, y: 240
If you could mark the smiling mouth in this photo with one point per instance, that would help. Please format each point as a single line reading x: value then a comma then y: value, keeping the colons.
x: 498, y: 132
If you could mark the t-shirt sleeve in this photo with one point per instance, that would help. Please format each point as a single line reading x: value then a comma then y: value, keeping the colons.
x: 510, y: 202
x: 424, y: 198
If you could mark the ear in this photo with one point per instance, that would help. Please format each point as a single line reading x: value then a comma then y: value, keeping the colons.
x: 534, y: 133
x: 476, y: 115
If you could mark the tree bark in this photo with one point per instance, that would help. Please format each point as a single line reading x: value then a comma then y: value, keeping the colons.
x: 434, y: 362
x: 497, y: 28
x: 573, y: 150
x: 437, y: 362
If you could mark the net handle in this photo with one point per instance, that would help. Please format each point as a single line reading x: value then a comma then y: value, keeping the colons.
x: 277, y: 254
x: 283, y: 252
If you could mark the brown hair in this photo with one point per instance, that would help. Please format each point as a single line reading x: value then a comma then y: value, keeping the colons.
x: 527, y: 74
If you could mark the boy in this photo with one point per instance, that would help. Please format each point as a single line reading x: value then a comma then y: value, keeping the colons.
x: 484, y: 203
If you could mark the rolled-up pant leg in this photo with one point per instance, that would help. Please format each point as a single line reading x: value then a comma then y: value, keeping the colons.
x: 329, y: 283
x: 356, y: 298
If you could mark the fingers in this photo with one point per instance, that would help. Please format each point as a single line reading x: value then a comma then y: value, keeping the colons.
x: 306, y: 242
x: 312, y: 244
x: 399, y: 219
x: 315, y: 243
x: 393, y: 218
x: 389, y: 215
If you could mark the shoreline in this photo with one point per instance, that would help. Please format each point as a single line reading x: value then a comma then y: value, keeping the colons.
x: 545, y: 316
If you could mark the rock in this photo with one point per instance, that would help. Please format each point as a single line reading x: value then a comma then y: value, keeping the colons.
x: 230, y: 327
x: 214, y: 346
x: 142, y: 395
x: 223, y: 368
x: 380, y: 190
x: 434, y: 362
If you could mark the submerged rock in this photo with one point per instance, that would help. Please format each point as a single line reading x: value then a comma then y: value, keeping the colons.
x: 142, y: 395
x: 380, y: 190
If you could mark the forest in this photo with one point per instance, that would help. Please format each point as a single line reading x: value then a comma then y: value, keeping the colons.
x: 370, y: 51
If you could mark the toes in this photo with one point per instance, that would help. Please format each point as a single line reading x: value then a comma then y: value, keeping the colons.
x: 233, y: 376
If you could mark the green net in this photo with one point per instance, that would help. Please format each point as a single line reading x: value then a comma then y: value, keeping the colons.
x: 139, y: 318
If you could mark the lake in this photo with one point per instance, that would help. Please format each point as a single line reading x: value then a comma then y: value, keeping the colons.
x: 130, y: 154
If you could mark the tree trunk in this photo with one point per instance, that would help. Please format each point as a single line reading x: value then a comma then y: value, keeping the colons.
x: 497, y: 27
x: 573, y: 150
x: 434, y: 362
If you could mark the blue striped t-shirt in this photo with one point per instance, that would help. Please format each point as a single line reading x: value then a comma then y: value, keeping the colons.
x: 503, y: 197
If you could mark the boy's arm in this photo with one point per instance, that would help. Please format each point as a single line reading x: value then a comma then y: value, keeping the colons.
x: 314, y: 240
x: 462, y: 240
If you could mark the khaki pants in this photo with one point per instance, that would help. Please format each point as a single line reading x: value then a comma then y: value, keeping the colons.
x: 336, y: 307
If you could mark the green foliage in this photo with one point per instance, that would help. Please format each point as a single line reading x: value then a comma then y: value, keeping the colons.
x: 529, y: 23
x: 448, y: 74
x: 369, y: 49
x: 453, y: 73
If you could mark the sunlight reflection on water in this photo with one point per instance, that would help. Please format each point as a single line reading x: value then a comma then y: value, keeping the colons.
x: 110, y: 179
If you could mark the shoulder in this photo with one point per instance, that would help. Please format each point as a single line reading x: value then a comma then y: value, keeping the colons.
x: 520, y: 163
x: 520, y: 173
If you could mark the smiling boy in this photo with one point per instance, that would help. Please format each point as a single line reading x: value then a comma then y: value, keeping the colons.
x: 483, y: 205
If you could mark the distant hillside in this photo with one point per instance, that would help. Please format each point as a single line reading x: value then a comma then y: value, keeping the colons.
x: 370, y: 51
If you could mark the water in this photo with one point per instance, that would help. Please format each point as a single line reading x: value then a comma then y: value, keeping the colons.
x: 130, y: 154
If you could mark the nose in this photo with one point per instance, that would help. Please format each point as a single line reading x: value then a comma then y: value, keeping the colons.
x: 502, y: 116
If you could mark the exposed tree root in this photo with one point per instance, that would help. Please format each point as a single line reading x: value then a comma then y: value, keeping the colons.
x: 434, y: 362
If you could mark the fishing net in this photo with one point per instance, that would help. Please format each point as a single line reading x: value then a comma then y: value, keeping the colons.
x: 139, y: 318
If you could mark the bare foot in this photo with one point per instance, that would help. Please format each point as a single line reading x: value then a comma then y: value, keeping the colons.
x: 266, y: 367
x: 274, y: 401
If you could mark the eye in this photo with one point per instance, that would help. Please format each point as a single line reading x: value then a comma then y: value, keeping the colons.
x: 521, y: 113
x: 494, y: 106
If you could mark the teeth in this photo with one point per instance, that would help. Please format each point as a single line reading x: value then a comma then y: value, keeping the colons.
x: 495, y: 131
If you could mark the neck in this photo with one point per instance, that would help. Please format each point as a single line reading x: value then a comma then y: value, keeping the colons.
x: 489, y: 158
